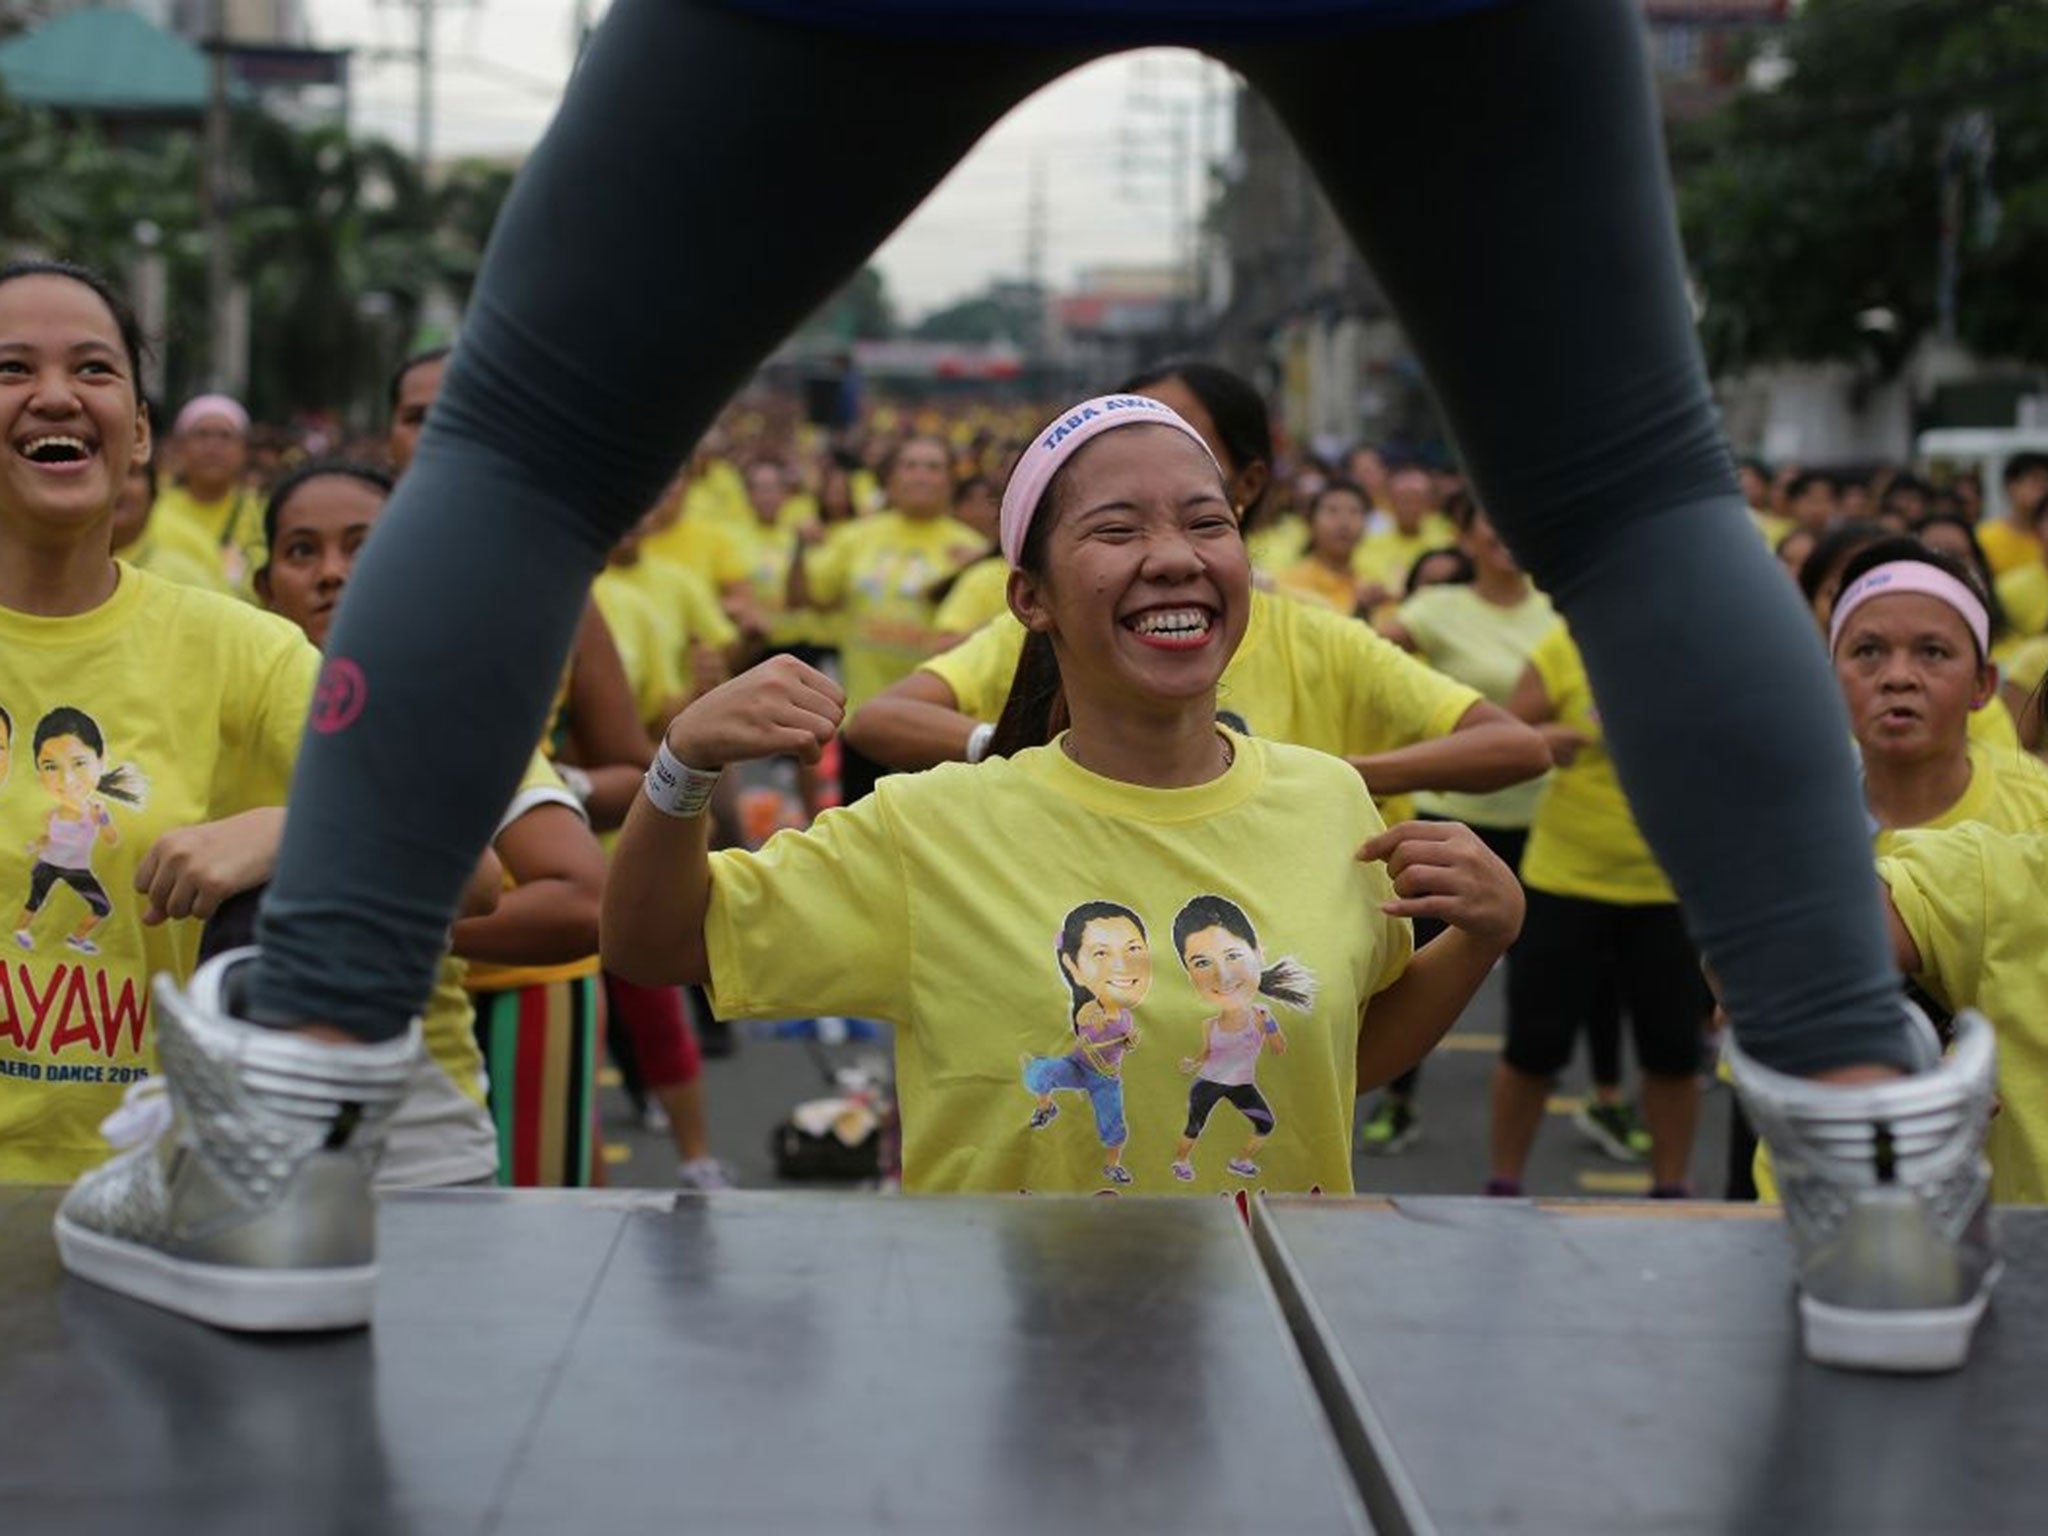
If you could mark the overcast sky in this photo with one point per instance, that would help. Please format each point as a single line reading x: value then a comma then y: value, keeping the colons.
x: 504, y: 60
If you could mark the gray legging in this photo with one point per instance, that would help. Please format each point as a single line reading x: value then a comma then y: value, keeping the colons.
x: 713, y: 175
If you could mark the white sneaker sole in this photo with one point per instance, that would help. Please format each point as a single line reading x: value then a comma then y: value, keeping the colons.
x: 227, y: 1296
x: 1914, y: 1342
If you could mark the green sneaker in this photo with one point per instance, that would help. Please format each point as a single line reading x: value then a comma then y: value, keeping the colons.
x: 1392, y: 1128
x: 1614, y: 1129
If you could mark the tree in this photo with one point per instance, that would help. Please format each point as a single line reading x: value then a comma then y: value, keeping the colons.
x: 862, y: 310
x: 1813, y: 212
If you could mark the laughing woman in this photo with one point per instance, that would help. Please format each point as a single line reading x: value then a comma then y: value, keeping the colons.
x: 1128, y: 571
x: 157, y: 725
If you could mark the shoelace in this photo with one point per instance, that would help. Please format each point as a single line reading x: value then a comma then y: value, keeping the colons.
x: 142, y: 1119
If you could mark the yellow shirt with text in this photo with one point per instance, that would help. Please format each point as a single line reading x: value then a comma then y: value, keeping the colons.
x: 906, y: 908
x: 164, y: 707
x: 878, y: 573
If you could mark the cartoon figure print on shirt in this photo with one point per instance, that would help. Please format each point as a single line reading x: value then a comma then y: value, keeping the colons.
x: 1220, y: 952
x: 1107, y: 965
x: 71, y: 766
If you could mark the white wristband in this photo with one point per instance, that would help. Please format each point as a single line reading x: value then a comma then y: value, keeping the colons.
x: 675, y: 788
x: 978, y: 740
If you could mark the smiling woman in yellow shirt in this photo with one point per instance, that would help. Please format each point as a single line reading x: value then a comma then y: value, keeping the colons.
x: 915, y: 906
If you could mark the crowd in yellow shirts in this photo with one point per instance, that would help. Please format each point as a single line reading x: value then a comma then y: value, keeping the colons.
x: 1391, y: 632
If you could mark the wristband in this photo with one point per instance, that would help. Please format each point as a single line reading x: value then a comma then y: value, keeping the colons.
x: 978, y: 740
x: 675, y: 788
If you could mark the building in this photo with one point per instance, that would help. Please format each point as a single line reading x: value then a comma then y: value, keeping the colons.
x: 1293, y: 306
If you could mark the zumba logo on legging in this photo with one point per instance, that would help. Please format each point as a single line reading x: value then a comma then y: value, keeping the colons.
x: 70, y: 754
x: 1221, y: 954
x: 1107, y: 965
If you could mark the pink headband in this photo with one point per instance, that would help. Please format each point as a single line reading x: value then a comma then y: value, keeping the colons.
x: 1913, y: 576
x: 1060, y: 441
x: 200, y: 407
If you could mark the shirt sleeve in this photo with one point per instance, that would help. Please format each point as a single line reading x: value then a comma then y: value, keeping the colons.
x: 817, y: 922
x: 1399, y: 700
x: 1940, y: 883
x: 980, y: 668
x: 265, y: 716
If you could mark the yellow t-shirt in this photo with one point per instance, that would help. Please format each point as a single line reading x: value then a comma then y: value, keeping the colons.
x: 1584, y: 840
x: 763, y: 566
x: 1993, y: 726
x: 879, y: 572
x: 2006, y: 547
x: 2023, y: 593
x: 651, y: 642
x: 1302, y: 674
x: 718, y: 495
x: 686, y: 601
x: 982, y: 593
x: 176, y: 551
x: 230, y: 526
x: 1314, y: 582
x: 1487, y: 647
x: 1387, y: 555
x: 542, y: 785
x: 196, y: 702
x: 2008, y: 791
x: 1273, y: 548
x: 905, y: 908
x: 1971, y: 898
x: 2027, y: 665
x: 1772, y: 528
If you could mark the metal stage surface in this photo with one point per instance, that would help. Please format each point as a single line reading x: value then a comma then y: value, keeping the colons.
x: 600, y: 1363
x: 832, y: 1365
x: 1579, y: 1368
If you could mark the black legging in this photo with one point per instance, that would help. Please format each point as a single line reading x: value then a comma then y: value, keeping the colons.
x: 713, y: 175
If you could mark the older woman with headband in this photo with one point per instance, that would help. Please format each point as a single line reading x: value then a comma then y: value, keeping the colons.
x: 1565, y: 363
x: 1910, y: 637
x: 1127, y: 564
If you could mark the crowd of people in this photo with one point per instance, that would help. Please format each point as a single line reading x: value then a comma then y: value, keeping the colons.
x: 1394, y: 690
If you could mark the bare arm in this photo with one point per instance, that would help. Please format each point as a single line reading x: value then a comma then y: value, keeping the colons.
x: 1487, y: 749
x: 912, y: 725
x: 549, y: 917
x: 659, y: 890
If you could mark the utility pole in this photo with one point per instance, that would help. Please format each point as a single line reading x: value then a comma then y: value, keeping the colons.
x: 222, y: 368
x: 422, y: 56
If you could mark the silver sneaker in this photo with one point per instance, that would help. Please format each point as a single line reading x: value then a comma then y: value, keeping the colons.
x: 1887, y: 1195
x: 243, y: 1196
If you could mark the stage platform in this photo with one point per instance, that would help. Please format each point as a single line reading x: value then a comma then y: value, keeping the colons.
x: 833, y: 1364
x: 581, y: 1365
x: 1581, y: 1368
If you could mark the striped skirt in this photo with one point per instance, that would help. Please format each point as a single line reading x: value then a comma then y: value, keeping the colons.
x: 540, y: 1049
